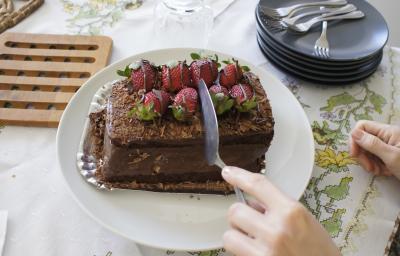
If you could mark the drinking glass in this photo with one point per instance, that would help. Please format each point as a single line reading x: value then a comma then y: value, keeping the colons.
x: 182, y: 23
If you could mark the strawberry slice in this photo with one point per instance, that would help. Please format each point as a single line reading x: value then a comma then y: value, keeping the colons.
x: 155, y: 104
x: 185, y: 104
x: 175, y: 76
x: 220, y: 98
x: 245, y: 99
x: 205, y: 69
x: 144, y: 76
x: 231, y: 74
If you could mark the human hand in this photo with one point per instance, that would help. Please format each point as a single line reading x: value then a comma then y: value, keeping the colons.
x: 376, y: 147
x: 273, y: 224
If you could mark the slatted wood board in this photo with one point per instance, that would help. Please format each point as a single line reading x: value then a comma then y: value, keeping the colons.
x: 40, y: 73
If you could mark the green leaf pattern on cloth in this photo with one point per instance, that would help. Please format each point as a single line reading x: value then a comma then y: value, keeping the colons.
x: 92, y: 16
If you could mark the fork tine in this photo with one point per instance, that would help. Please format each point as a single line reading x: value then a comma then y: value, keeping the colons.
x: 316, y: 50
x: 268, y: 11
x: 271, y: 13
x: 327, y: 52
x: 321, y: 52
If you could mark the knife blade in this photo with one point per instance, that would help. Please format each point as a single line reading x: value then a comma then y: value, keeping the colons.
x: 210, y: 123
x: 211, y: 141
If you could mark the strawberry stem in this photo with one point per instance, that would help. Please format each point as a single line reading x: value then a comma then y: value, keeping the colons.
x: 247, y: 105
x: 145, y: 113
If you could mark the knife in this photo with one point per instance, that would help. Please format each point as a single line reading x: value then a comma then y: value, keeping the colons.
x: 210, y: 122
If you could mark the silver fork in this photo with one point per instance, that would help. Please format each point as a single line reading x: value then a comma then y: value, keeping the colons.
x: 210, y: 123
x: 291, y: 19
x: 321, y: 47
x: 280, y: 24
x: 325, y: 13
x: 285, y: 11
x: 305, y: 26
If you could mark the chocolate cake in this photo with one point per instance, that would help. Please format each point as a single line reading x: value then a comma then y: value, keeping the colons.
x: 166, y: 154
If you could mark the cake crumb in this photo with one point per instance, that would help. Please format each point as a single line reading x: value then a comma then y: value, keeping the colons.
x: 156, y: 169
x: 141, y: 157
x: 13, y: 176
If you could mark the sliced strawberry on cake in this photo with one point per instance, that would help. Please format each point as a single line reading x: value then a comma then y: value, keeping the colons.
x: 244, y: 96
x: 205, y: 69
x: 185, y: 104
x: 175, y: 76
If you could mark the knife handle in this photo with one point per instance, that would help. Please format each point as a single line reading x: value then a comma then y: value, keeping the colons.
x: 239, y: 195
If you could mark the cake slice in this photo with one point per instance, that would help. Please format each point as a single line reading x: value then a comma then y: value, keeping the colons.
x: 166, y: 154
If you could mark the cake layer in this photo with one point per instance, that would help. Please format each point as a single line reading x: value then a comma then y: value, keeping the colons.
x: 177, y: 163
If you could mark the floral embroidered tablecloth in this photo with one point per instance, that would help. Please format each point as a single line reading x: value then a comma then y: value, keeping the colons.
x: 357, y: 209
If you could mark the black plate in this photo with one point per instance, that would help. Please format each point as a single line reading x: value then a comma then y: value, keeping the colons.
x: 313, y: 68
x: 315, y: 61
x: 316, y: 78
x: 313, y: 72
x: 350, y: 40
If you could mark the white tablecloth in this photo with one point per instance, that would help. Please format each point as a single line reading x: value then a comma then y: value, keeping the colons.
x: 358, y: 210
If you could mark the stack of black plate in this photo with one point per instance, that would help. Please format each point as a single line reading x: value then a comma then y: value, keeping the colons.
x: 355, y: 46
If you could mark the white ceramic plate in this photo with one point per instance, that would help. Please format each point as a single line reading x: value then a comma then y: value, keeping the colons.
x: 181, y: 221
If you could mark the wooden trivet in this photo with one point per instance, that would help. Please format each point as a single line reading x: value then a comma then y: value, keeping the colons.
x: 40, y: 73
x: 10, y: 17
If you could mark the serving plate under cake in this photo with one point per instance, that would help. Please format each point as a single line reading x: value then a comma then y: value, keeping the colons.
x: 182, y: 221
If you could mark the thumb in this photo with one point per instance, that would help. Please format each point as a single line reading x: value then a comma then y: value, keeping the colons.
x: 372, y: 144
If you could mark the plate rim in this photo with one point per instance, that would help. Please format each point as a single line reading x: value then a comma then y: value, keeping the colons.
x: 118, y: 63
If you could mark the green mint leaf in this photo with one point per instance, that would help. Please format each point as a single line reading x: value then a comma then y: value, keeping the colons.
x: 245, y: 68
x: 126, y: 72
x: 195, y: 56
x: 216, y: 58
x: 131, y: 113
x: 120, y: 72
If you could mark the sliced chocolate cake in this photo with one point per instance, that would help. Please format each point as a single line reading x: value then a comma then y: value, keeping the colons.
x: 151, y: 139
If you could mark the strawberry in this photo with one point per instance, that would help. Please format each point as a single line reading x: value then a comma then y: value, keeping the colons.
x: 185, y: 104
x: 205, y: 69
x: 175, y: 76
x: 230, y: 74
x: 244, y: 97
x: 221, y: 100
x: 144, y: 76
x: 154, y: 105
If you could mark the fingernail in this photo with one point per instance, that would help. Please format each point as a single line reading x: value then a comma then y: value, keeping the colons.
x: 226, y: 171
x: 357, y: 135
